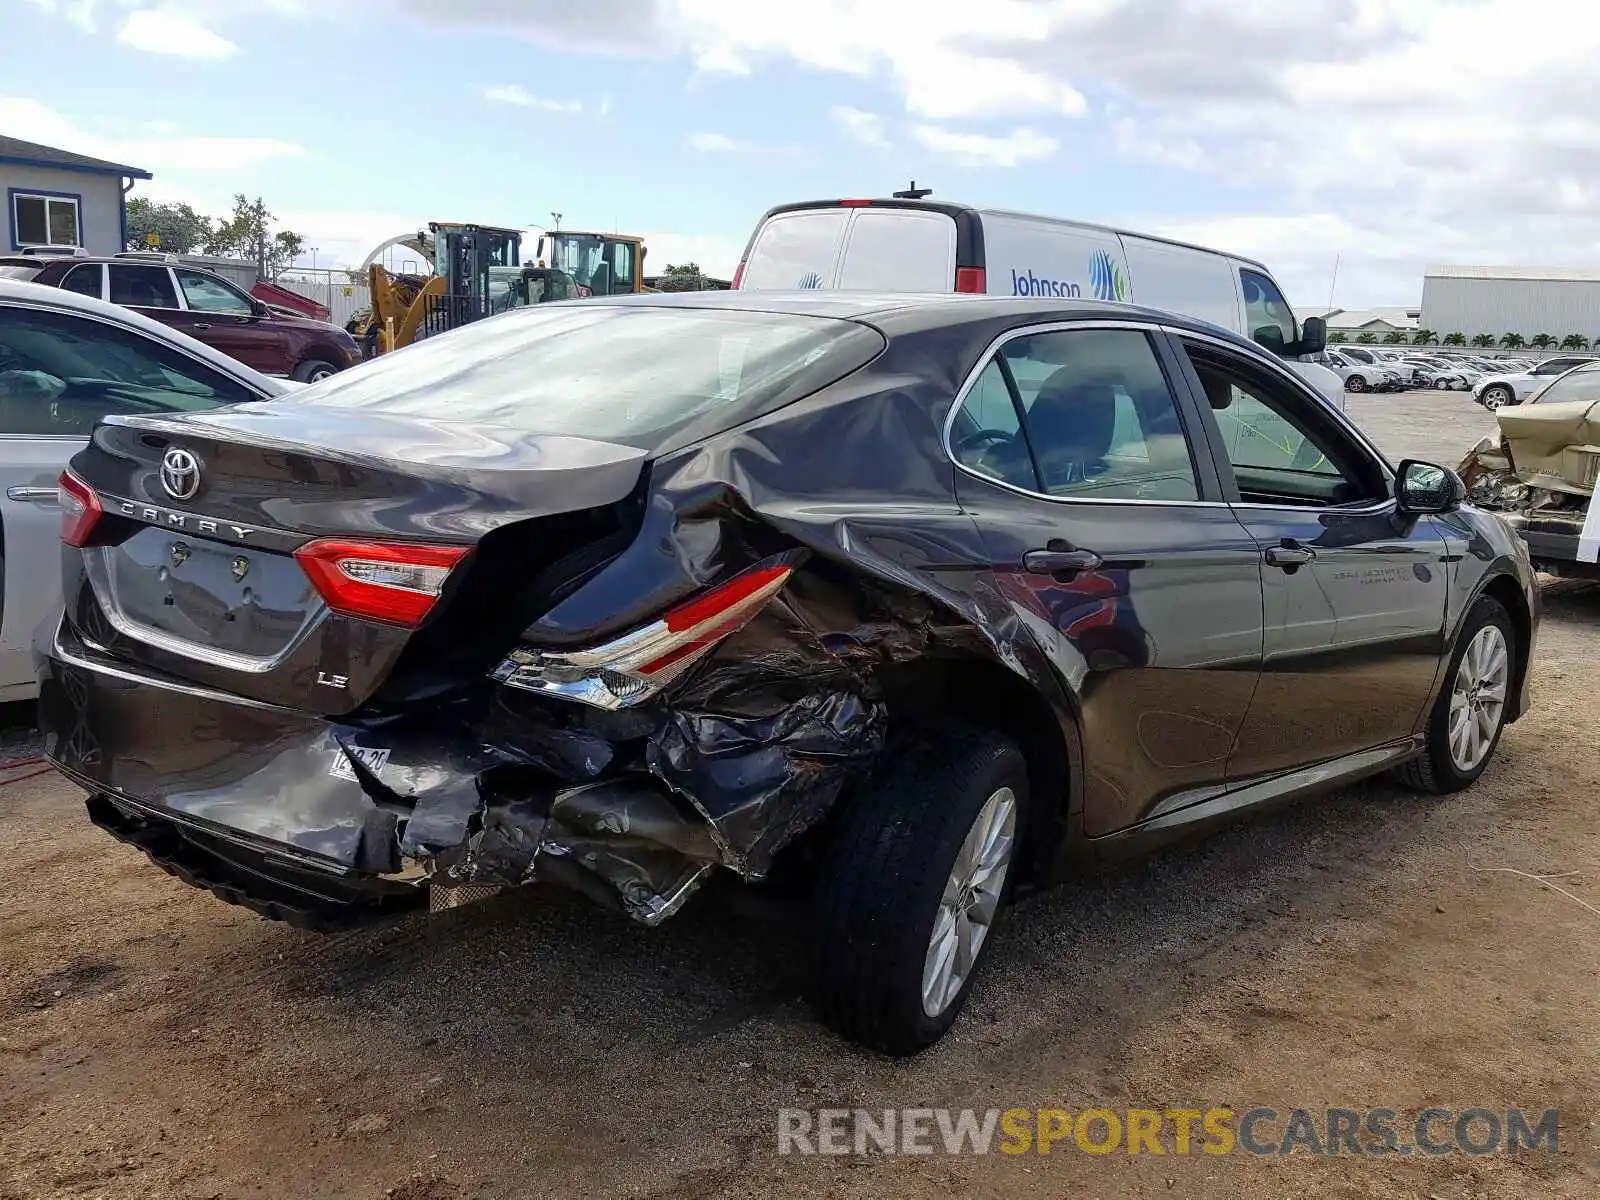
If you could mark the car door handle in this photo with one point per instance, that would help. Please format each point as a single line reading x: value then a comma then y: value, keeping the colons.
x: 1055, y: 562
x: 32, y: 495
x: 1289, y: 554
x: 201, y: 325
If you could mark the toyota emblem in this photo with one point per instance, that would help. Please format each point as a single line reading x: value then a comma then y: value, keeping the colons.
x: 180, y: 474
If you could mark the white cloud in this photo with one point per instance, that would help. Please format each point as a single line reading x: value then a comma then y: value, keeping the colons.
x: 720, y: 143
x: 868, y: 128
x: 203, y: 155
x: 983, y: 150
x: 515, y: 93
x: 79, y: 12
x: 170, y: 31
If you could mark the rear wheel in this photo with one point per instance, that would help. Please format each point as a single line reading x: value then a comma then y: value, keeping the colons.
x: 915, y: 876
x: 1464, y: 728
x: 1356, y: 383
x: 314, y: 369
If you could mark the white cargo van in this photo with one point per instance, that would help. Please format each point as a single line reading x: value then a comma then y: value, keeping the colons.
x: 899, y: 244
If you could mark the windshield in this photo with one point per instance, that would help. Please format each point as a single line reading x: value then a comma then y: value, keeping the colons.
x: 635, y: 374
x: 576, y: 254
x: 1581, y: 383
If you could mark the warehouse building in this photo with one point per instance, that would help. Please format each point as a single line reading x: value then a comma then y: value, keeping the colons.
x: 1562, y: 302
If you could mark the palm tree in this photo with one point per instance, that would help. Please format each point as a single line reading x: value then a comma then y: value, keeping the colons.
x: 1424, y: 337
x: 1542, y: 341
x: 1367, y: 338
x: 1574, y: 341
x: 1394, y: 338
x: 1512, y: 341
x: 1338, y: 337
x: 1455, y: 339
x: 1483, y: 340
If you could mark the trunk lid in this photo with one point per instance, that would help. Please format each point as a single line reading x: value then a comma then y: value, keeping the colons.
x: 192, y: 569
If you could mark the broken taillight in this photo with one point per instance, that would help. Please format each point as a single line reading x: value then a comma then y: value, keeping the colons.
x: 80, y: 509
x: 396, y: 583
x: 634, y: 667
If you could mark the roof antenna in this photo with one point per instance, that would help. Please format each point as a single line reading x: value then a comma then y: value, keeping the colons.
x: 913, y: 192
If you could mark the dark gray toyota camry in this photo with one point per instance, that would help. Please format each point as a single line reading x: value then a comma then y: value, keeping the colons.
x: 901, y: 603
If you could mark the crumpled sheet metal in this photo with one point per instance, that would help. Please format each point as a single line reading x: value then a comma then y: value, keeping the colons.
x: 1541, y: 448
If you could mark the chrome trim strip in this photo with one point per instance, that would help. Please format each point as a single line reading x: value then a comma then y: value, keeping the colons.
x: 130, y: 676
x: 32, y: 495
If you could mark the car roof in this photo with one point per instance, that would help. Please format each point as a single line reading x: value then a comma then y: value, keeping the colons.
x: 904, y: 312
x: 37, y: 295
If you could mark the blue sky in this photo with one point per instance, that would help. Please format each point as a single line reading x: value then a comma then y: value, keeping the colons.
x: 1294, y: 133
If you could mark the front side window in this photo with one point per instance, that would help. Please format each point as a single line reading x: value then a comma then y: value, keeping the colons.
x: 1267, y: 310
x: 1283, y: 446
x: 204, y: 293
x: 43, y: 220
x: 1580, y: 384
x: 1098, y: 419
x: 142, y: 287
x: 60, y: 373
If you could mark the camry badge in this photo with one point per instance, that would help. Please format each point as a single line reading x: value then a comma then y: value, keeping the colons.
x: 180, y: 473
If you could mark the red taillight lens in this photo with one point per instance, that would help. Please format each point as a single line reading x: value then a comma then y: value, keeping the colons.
x: 855, y: 204
x: 396, y: 583
x: 971, y: 280
x: 80, y: 509
x: 738, y: 277
x: 638, y: 665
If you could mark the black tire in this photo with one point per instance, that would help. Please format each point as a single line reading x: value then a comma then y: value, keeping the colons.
x: 1497, y: 396
x: 314, y: 369
x: 1434, y: 771
x: 882, y: 877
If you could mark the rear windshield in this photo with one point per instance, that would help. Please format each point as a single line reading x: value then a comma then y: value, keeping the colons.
x: 636, y: 374
x: 18, y: 271
x: 1581, y: 384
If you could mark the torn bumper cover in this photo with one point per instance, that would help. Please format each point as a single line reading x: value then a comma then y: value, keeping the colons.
x: 320, y: 820
x: 1540, y: 474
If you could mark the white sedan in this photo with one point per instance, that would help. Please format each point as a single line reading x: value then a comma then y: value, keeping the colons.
x: 66, y: 361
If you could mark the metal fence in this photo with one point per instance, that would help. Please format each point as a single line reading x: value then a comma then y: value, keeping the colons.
x: 333, y: 289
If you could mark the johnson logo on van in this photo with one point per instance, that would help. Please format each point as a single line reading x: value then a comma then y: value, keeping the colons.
x: 1032, y: 285
x: 1105, y: 278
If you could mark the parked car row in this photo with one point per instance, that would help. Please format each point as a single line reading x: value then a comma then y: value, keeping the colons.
x: 266, y: 338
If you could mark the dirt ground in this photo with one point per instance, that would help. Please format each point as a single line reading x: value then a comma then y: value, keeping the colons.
x: 1357, y: 950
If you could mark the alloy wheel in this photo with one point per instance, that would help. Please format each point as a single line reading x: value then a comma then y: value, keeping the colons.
x: 970, y: 901
x: 1478, y: 697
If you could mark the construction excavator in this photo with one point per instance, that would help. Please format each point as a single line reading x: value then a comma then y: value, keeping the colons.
x: 476, y: 271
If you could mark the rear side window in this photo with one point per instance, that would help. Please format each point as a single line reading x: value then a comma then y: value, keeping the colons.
x: 85, y: 280
x: 142, y: 287
x: 796, y: 250
x: 630, y: 373
x: 60, y: 373
x: 1098, y: 419
x: 900, y: 251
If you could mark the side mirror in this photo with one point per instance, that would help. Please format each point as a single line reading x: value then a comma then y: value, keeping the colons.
x: 1270, y: 338
x: 1313, y: 335
x: 259, y: 308
x: 1421, y: 488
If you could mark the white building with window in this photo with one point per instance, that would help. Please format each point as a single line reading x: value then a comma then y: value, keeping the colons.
x: 57, y: 198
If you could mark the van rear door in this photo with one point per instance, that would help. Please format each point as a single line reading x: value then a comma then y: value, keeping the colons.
x: 899, y: 250
x: 796, y: 250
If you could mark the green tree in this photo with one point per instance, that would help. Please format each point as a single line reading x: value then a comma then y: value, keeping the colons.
x: 1424, y: 337
x: 1574, y: 341
x: 1512, y: 341
x: 1394, y: 338
x: 249, y: 233
x: 176, y: 228
x: 1338, y: 336
x: 1483, y: 340
x: 1367, y: 338
x: 688, y: 268
x: 1455, y: 339
x: 1542, y: 341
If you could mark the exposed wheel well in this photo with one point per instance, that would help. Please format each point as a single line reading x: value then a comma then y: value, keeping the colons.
x: 1509, y: 593
x: 986, y: 695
